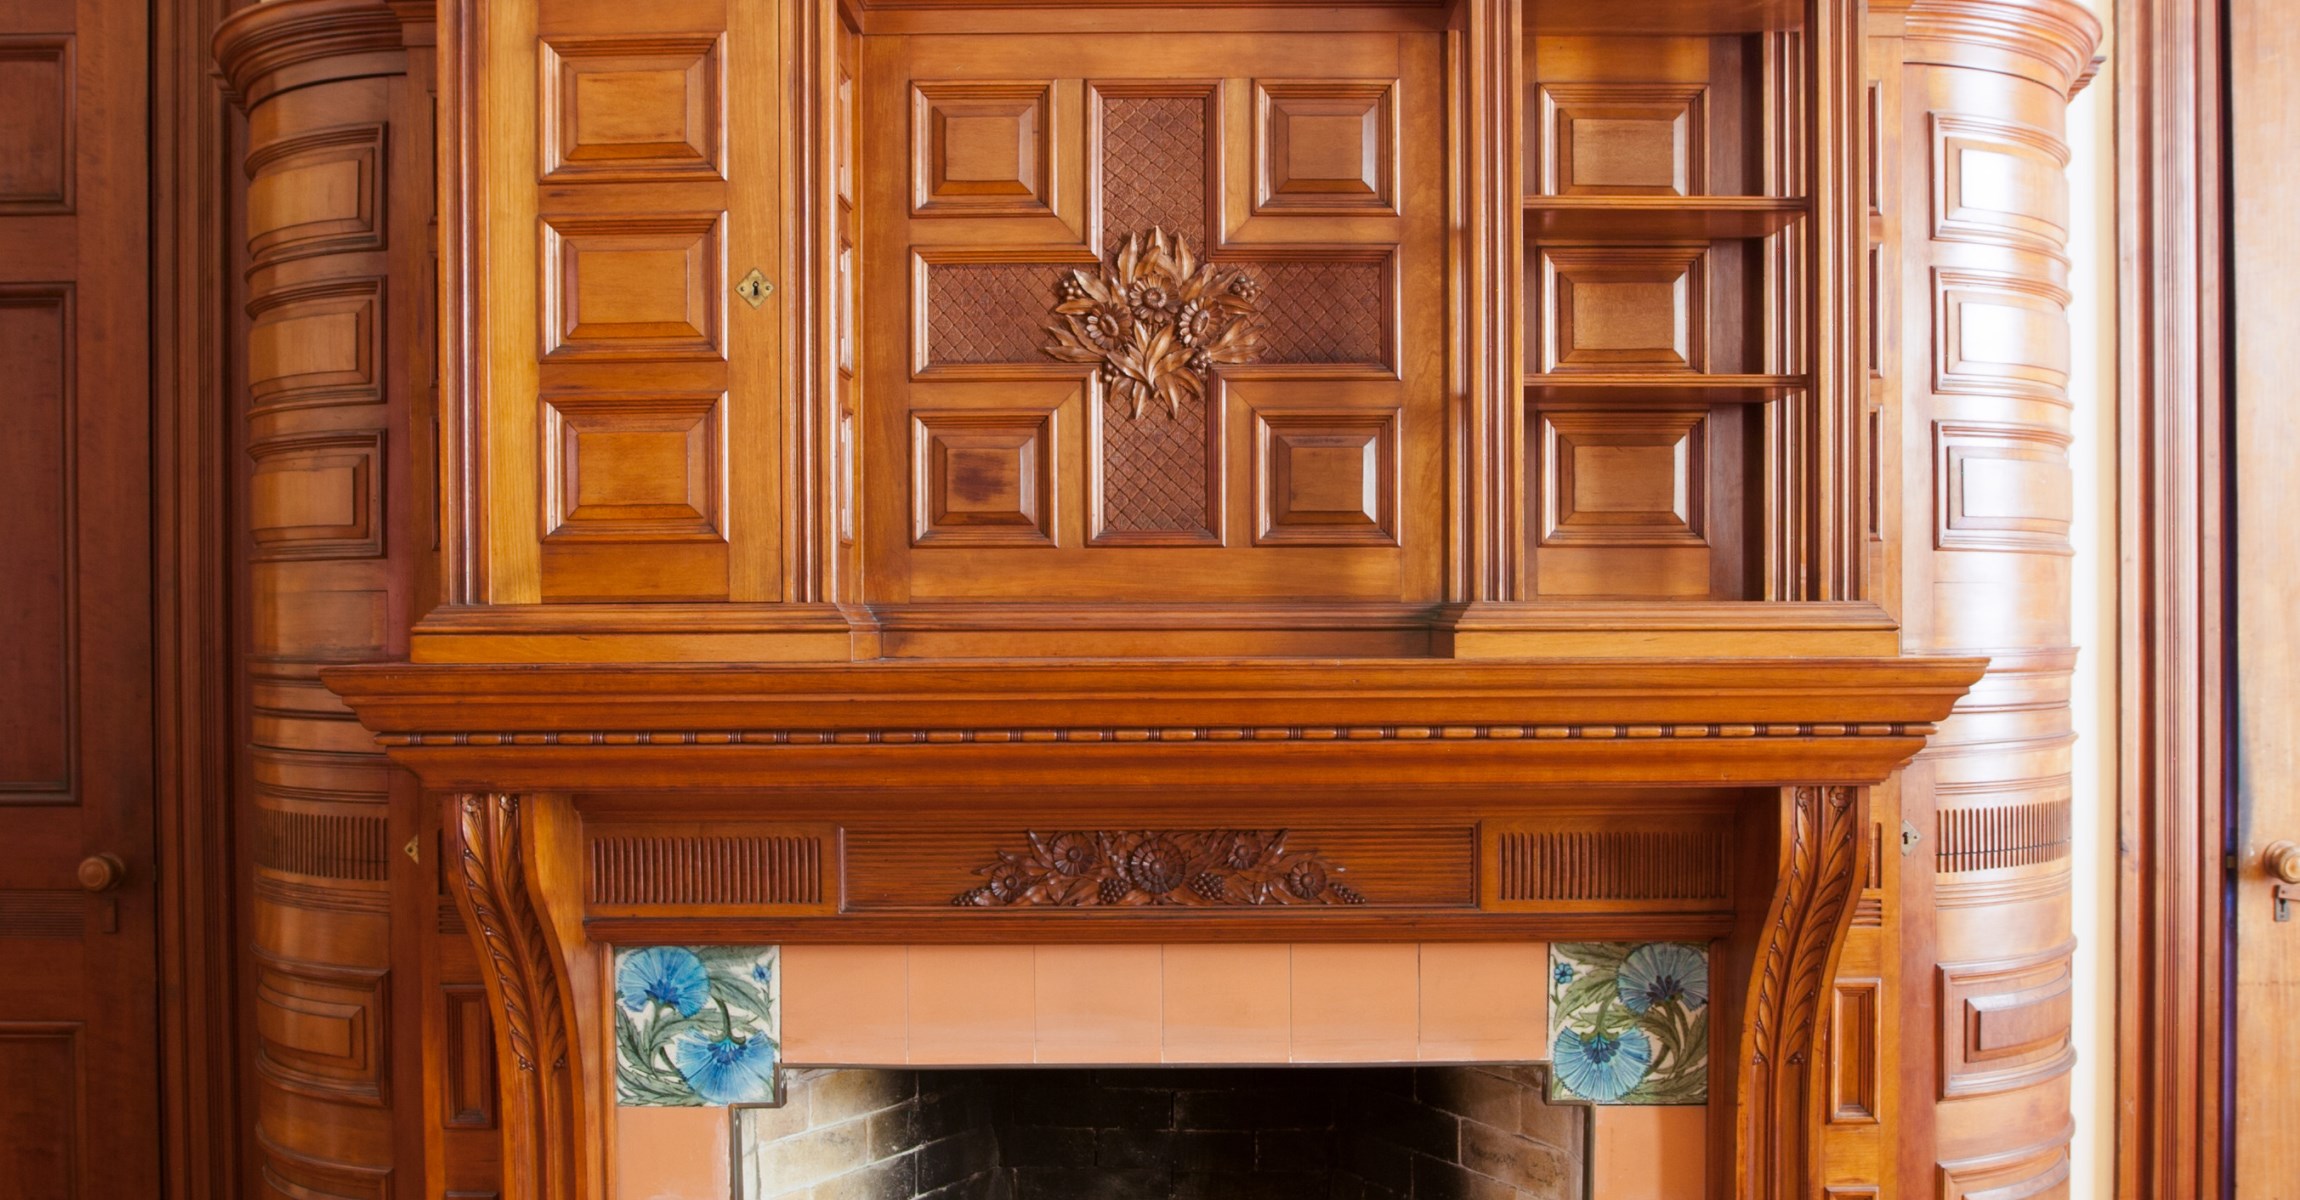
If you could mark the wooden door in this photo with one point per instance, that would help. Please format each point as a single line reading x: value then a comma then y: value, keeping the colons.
x: 79, y: 1053
x: 2264, y: 121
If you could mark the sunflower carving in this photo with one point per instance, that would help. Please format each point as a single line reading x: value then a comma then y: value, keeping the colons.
x: 1156, y: 322
x: 1202, y: 868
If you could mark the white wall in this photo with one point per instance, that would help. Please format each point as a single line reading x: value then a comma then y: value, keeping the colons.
x: 2092, y: 386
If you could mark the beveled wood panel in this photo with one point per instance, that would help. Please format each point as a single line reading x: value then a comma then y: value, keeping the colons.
x: 633, y: 108
x: 36, y: 477
x: 39, y: 91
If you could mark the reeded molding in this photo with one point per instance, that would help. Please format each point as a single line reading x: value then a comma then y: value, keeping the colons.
x: 266, y: 49
x: 2049, y: 41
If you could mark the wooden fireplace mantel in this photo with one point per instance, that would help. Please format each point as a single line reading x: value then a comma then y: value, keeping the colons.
x: 1552, y: 489
x: 899, y: 783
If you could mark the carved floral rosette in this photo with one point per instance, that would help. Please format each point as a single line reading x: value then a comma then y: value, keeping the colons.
x: 1203, y: 868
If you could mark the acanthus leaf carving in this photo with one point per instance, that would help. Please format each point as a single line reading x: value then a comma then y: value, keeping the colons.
x: 1156, y: 322
x: 1200, y: 868
x: 510, y: 932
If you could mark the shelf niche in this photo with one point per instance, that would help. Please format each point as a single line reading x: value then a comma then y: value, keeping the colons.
x: 1660, y: 269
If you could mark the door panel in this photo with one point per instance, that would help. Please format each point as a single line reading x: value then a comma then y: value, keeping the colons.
x: 2264, y: 35
x: 77, y: 1027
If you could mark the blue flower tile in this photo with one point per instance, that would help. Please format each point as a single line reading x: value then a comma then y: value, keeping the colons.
x: 1629, y: 1022
x: 696, y: 1025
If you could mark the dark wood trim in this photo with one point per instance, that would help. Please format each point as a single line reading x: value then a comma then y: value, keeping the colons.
x: 194, y: 377
x: 2172, y: 651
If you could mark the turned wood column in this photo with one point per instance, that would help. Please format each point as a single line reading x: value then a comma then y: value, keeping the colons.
x: 335, y: 280
x: 1978, y: 202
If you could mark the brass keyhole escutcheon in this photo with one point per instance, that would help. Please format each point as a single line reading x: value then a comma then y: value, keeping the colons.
x: 755, y: 288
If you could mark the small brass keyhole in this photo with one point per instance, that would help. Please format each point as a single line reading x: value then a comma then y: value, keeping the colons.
x: 755, y: 288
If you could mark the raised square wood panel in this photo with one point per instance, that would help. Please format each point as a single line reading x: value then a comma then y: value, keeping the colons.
x: 633, y: 108
x: 1631, y: 478
x: 981, y: 148
x: 316, y: 194
x: 982, y: 477
x: 1622, y: 139
x: 2001, y: 487
x: 1325, y: 146
x: 634, y: 468
x: 324, y: 1029
x: 1325, y: 477
x: 316, y: 346
x: 36, y: 124
x: 634, y: 288
x: 1998, y: 181
x: 317, y: 497
x: 2004, y: 1025
x: 2000, y: 335
x: 1616, y: 308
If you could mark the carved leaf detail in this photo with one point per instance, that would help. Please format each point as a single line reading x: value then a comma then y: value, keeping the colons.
x: 1156, y: 322
x: 1201, y: 868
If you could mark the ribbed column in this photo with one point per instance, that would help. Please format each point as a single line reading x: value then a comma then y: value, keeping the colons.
x: 1984, y: 433
x: 328, y: 552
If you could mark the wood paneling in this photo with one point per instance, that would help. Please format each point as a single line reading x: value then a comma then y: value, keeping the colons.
x: 335, y: 286
x: 1973, y: 217
x: 633, y: 108
x: 40, y: 1114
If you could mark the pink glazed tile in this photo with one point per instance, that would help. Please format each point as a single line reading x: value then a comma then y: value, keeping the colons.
x: 1651, y: 1152
x: 1484, y: 1002
x: 1356, y: 1003
x: 1227, y: 1003
x: 1099, y: 1004
x: 673, y: 1154
x: 846, y: 1006
x: 972, y: 1004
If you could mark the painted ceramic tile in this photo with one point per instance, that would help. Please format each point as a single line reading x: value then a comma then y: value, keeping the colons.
x: 697, y: 1024
x: 1629, y: 1022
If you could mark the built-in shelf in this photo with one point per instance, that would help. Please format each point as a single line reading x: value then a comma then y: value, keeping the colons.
x: 1643, y: 218
x: 1688, y: 388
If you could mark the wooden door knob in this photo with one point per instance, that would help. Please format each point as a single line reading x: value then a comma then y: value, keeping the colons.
x: 2282, y: 859
x: 102, y: 872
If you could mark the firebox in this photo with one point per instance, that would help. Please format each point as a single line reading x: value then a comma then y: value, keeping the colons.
x: 1464, y: 1132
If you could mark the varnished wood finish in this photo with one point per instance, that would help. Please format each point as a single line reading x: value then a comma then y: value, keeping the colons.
x: 79, y: 1015
x: 2174, y: 542
x: 1971, y: 223
x: 711, y: 557
x: 336, y: 274
x: 2265, y: 293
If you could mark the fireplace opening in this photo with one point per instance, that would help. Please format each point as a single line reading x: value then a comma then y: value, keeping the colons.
x: 1469, y: 1132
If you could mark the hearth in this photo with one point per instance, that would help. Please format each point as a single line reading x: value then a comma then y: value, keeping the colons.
x: 1179, y: 1133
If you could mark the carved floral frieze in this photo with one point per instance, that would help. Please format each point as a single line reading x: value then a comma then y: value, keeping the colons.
x: 1156, y: 322
x: 1204, y: 868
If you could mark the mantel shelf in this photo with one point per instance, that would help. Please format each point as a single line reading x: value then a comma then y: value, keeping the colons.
x: 1338, y: 724
x: 1655, y: 218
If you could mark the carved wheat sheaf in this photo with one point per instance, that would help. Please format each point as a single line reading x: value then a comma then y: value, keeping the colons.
x: 1205, y: 868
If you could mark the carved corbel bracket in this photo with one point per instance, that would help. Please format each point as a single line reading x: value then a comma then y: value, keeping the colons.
x: 1778, y: 1098
x: 541, y: 1060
